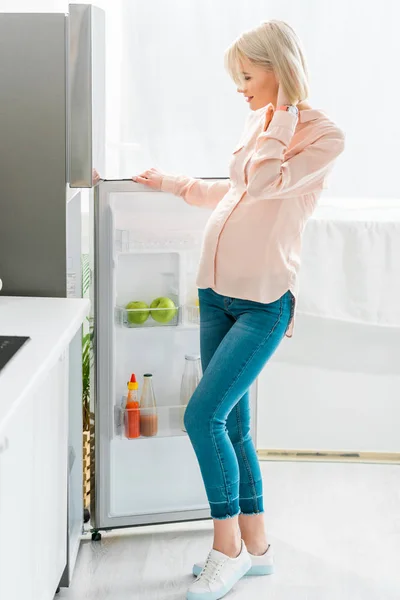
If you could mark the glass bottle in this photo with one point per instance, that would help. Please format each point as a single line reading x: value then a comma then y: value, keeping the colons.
x: 148, y: 408
x: 190, y: 380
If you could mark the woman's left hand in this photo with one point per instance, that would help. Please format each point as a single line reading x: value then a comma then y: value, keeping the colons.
x: 152, y: 178
x: 95, y: 177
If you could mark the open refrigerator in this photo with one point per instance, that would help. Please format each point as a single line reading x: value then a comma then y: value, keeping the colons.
x: 146, y: 245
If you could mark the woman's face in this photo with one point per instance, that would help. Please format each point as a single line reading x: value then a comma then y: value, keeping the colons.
x: 260, y: 86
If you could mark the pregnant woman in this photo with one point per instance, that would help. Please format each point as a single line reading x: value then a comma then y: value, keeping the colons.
x: 248, y: 284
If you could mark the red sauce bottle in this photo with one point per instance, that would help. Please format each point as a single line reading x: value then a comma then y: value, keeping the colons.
x: 132, y: 413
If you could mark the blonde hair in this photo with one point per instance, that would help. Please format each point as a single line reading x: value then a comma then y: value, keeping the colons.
x: 275, y: 46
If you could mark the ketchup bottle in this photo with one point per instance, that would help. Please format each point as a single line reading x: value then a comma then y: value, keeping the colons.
x: 132, y: 416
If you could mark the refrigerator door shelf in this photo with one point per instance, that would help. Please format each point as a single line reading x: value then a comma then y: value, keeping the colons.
x: 139, y: 318
x: 185, y: 317
x: 167, y: 421
x: 136, y: 241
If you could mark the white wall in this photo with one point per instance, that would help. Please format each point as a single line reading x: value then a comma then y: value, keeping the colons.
x: 172, y: 105
x: 333, y: 386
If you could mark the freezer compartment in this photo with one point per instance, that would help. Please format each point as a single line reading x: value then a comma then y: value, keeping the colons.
x: 138, y: 424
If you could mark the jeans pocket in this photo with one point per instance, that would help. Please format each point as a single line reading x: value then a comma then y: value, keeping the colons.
x: 210, y: 309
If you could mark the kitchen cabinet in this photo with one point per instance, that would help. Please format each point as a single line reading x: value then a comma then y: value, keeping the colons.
x: 39, y: 386
x: 33, y: 491
x: 16, y: 505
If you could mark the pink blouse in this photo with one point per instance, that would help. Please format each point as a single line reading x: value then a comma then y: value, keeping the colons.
x: 252, y: 242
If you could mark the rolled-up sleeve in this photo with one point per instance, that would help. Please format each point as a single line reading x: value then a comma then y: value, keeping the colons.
x: 271, y: 176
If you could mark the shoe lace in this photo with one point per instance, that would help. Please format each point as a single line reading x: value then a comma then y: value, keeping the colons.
x: 211, y: 569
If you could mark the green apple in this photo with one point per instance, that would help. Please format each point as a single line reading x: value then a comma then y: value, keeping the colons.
x: 138, y: 317
x: 163, y: 316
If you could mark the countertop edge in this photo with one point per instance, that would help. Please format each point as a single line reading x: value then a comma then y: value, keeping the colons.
x: 50, y: 359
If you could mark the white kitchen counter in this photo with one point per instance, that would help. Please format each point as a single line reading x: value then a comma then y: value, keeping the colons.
x: 51, y: 323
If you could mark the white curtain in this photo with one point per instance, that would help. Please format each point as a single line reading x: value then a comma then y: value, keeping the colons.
x: 170, y: 103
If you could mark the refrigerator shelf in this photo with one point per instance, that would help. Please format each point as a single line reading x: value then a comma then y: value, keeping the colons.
x: 144, y: 424
x: 185, y: 317
x: 139, y: 318
x: 133, y: 241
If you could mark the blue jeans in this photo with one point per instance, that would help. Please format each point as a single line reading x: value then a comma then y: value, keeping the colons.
x: 237, y: 337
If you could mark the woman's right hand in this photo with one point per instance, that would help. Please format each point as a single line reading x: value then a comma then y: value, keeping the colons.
x: 152, y: 178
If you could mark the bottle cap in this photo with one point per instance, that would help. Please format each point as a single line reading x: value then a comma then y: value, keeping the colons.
x: 192, y: 356
x: 133, y: 384
x: 147, y: 375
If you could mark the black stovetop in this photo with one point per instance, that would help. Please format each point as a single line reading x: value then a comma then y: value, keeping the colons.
x: 9, y: 345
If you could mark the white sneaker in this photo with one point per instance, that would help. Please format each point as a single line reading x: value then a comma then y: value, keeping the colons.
x: 260, y: 565
x: 219, y: 575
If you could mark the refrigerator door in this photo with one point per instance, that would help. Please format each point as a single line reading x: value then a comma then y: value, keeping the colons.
x: 147, y: 245
x: 86, y: 57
